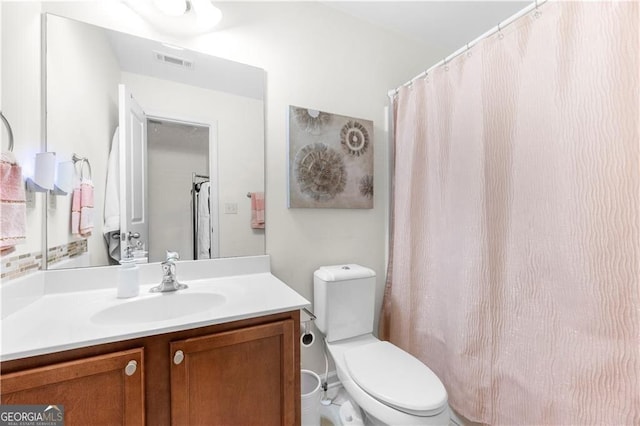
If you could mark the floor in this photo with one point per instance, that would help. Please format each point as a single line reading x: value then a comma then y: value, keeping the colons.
x: 325, y: 422
x: 330, y: 414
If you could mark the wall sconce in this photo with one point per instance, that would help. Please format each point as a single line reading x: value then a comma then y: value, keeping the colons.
x: 44, y: 174
x: 64, y: 178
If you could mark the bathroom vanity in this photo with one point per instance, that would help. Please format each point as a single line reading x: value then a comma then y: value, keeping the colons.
x: 114, y: 361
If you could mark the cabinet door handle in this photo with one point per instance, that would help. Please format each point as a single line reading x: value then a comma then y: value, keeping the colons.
x: 131, y: 368
x: 178, y: 357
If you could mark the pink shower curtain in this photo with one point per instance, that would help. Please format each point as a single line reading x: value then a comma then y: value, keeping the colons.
x: 515, y: 272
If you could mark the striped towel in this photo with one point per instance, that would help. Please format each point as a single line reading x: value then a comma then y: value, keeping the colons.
x: 82, y: 209
x: 257, y: 210
x: 13, y: 207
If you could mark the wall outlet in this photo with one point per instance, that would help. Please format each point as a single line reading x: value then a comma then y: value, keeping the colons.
x: 231, y: 208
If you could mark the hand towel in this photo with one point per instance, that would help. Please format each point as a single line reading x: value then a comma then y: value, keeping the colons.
x: 75, y: 211
x: 13, y: 208
x: 86, y: 207
x: 257, y: 210
x: 204, y: 222
x: 82, y: 209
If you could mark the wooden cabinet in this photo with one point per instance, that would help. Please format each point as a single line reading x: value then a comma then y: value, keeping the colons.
x: 239, y: 373
x: 101, y: 390
x: 240, y: 377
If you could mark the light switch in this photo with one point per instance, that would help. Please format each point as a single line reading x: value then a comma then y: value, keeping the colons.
x: 231, y: 208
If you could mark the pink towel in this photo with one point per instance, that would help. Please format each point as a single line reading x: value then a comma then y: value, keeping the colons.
x: 13, y: 208
x: 257, y: 210
x: 82, y: 209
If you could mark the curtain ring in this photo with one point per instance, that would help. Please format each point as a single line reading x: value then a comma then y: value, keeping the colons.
x: 468, y: 51
x: 537, y: 12
x: 500, y: 35
x: 446, y: 64
x: 426, y: 76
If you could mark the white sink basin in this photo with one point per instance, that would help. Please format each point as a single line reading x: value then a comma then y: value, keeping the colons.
x: 160, y: 307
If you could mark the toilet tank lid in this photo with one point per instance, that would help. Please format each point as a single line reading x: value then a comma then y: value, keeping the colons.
x: 343, y: 272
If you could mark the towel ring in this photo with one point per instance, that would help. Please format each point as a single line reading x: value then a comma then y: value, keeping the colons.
x: 84, y: 161
x: 8, y: 126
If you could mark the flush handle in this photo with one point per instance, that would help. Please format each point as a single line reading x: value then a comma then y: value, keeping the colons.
x: 178, y: 357
x: 131, y: 368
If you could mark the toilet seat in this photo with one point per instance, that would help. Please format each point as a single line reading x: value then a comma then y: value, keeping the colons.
x: 395, y: 378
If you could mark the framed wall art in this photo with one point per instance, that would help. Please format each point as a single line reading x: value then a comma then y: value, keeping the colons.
x: 330, y: 160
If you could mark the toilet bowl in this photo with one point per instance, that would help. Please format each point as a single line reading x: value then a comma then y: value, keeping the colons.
x: 390, y: 386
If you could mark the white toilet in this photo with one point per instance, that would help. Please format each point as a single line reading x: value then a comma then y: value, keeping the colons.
x: 390, y: 386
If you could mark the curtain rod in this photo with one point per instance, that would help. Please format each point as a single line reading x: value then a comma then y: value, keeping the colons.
x: 498, y: 28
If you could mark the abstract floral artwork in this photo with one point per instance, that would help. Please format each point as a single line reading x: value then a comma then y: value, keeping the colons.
x: 330, y: 160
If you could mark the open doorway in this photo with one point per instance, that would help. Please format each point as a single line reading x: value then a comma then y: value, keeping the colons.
x: 182, y: 196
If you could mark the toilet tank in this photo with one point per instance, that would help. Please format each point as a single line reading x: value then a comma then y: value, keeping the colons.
x: 344, y: 300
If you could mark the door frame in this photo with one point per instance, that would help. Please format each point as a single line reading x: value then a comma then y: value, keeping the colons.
x: 212, y: 125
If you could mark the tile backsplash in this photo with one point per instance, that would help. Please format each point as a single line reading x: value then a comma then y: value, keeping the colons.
x: 12, y: 267
x: 66, y: 251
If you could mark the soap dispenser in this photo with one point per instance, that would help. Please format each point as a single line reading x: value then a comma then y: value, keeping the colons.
x: 128, y: 285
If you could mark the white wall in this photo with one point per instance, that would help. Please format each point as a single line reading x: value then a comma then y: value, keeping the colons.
x: 82, y: 114
x: 20, y: 101
x: 320, y: 58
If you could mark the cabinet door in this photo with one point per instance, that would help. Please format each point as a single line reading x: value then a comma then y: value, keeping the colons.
x: 241, y: 377
x: 101, y: 390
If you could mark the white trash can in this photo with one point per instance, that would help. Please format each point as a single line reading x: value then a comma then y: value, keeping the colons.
x: 311, y: 394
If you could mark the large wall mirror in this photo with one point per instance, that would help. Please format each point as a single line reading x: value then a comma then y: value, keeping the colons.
x: 167, y: 148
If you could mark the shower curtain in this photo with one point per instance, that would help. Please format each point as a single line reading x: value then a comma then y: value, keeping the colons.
x: 515, y: 265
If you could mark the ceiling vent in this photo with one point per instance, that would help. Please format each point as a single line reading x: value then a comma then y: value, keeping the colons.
x: 173, y: 60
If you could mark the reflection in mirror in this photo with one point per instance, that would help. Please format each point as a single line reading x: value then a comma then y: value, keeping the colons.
x: 174, y: 176
x: 171, y: 169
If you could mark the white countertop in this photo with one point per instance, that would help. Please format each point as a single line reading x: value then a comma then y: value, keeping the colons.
x: 58, y: 321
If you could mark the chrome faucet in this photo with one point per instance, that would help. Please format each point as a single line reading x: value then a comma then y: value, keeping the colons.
x: 169, y: 281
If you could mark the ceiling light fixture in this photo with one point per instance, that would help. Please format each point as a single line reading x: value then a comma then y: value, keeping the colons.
x: 178, y: 17
x: 172, y: 7
x: 207, y: 15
